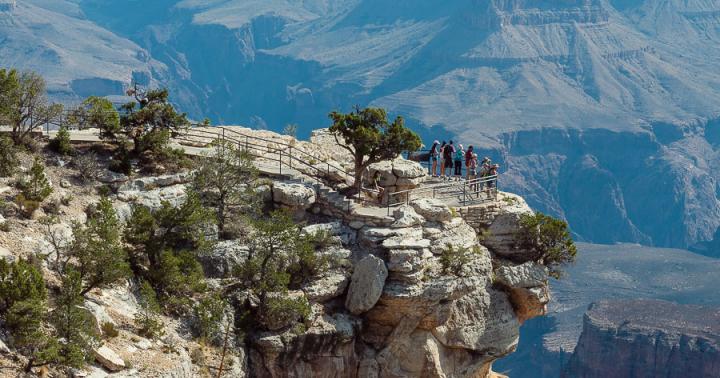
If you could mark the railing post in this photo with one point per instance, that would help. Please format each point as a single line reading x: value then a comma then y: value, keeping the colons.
x: 464, y: 201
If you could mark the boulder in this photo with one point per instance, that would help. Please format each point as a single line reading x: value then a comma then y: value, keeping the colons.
x: 65, y: 183
x: 502, y: 236
x: 222, y: 258
x: 149, y: 183
x: 109, y: 359
x: 3, y: 348
x: 432, y: 209
x: 110, y: 177
x: 366, y: 284
x: 408, y: 169
x: 527, y: 275
x: 406, y: 216
x: 328, y: 286
x: 296, y: 196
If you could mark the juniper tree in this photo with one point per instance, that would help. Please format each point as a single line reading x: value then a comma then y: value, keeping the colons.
x: 150, y: 120
x: 370, y: 137
x: 547, y: 240
x: 61, y: 143
x: 226, y: 180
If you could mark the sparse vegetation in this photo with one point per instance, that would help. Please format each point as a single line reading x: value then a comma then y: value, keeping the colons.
x: 453, y: 259
x: 148, y: 318
x: 87, y: 166
x: 547, y: 241
x: 160, y: 245
x: 73, y: 324
x: 99, y: 113
x: 281, y: 258
x: 109, y: 331
x: 208, y: 315
x: 226, y: 181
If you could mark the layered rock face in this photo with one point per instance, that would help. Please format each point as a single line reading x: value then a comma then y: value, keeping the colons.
x: 647, y: 338
x: 395, y: 311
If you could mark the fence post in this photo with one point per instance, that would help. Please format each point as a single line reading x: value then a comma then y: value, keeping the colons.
x: 464, y: 201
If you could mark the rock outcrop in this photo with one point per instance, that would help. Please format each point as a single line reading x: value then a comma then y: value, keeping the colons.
x: 394, y: 311
x: 647, y: 338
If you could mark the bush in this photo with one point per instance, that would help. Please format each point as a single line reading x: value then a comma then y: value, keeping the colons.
x: 75, y: 326
x: 454, y: 259
x: 27, y: 207
x: 122, y: 160
x: 547, y: 241
x: 88, y: 167
x: 36, y: 187
x: 61, y: 143
x: 19, y: 281
x: 109, y: 331
x: 148, y: 319
x: 280, y: 310
x: 208, y: 315
x: 9, y: 161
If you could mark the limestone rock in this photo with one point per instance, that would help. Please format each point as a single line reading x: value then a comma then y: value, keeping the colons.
x: 65, y: 183
x: 224, y: 256
x: 527, y: 275
x: 408, y: 169
x: 366, y: 284
x: 529, y: 302
x: 432, y: 209
x: 294, y: 195
x: 405, y: 216
x: 329, y: 286
x: 6, y: 254
x: 502, y: 238
x: 109, y: 359
x: 110, y: 177
x: 155, y: 182
x: 3, y: 348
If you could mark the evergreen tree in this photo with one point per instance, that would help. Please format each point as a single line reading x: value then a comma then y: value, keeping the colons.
x: 370, y: 138
x: 98, y: 113
x: 61, y: 143
x: 281, y: 257
x: 73, y: 324
x: 547, y: 241
x: 37, y: 186
x: 9, y: 161
x: 226, y: 180
x: 24, y: 104
x: 150, y: 120
x: 99, y: 256
x: 148, y: 319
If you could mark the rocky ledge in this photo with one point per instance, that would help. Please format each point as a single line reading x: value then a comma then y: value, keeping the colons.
x: 647, y: 338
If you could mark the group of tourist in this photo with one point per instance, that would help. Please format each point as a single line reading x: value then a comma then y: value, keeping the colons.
x: 447, y: 161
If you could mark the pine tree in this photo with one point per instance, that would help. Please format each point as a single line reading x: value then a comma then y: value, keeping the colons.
x: 148, y: 319
x: 9, y: 161
x: 61, y: 143
x: 73, y: 324
x: 99, y: 256
x: 37, y: 186
x: 226, y: 180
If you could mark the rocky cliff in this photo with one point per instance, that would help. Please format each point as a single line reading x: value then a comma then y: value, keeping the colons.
x: 396, y: 312
x: 647, y: 338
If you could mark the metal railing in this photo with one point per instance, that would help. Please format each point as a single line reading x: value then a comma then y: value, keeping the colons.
x: 463, y: 192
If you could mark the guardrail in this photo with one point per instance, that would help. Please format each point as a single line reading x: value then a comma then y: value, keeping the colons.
x: 465, y: 192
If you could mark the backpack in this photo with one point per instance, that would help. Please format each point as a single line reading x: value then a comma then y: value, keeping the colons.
x: 459, y: 155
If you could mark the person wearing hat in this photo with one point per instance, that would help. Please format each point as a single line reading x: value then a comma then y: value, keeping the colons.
x: 434, y: 157
x: 459, y: 155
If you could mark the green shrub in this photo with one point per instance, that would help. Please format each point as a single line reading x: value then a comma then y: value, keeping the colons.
x: 454, y: 259
x: 122, y: 159
x: 75, y: 326
x: 27, y: 207
x: 207, y: 317
x: 36, y: 186
x: 9, y: 161
x: 546, y: 240
x: 280, y: 310
x: 109, y: 331
x: 61, y: 143
x: 148, y: 320
x: 20, y: 281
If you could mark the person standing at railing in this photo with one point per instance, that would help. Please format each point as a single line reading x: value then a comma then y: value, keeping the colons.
x: 493, y: 171
x: 442, y: 159
x: 468, y: 157
x: 459, y: 156
x: 448, y: 153
x: 472, y: 165
x: 434, y: 157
